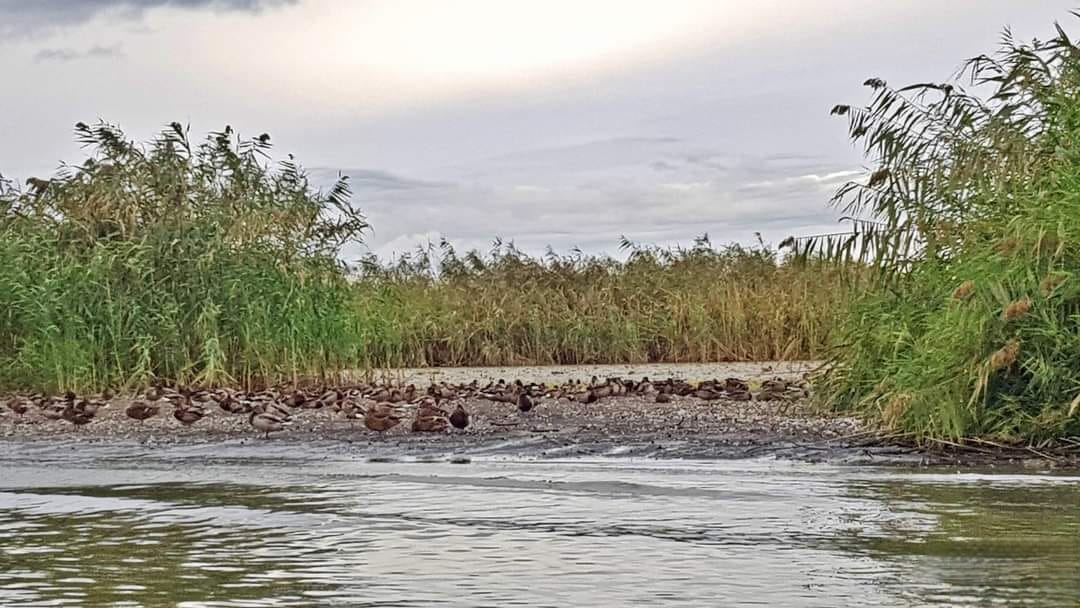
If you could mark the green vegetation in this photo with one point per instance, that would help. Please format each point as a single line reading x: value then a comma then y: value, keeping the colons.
x: 973, y: 328
x: 685, y: 305
x: 205, y: 264
x: 190, y: 263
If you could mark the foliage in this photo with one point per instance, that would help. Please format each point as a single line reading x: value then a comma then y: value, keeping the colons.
x: 438, y: 307
x: 172, y: 261
x: 973, y: 326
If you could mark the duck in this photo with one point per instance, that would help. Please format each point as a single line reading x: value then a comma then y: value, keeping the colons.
x: 524, y: 402
x: 267, y: 423
x: 18, y: 406
x: 586, y: 396
x: 429, y: 424
x: 228, y: 402
x: 381, y: 417
x: 154, y: 393
x: 739, y: 395
x: 188, y: 413
x: 428, y: 406
x: 733, y: 385
x: 77, y: 416
x: 299, y: 399
x: 142, y: 410
x: 459, y: 418
x: 772, y: 390
x: 663, y: 397
x: 708, y: 394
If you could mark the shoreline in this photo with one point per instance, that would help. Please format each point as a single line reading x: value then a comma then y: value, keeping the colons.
x: 622, y: 426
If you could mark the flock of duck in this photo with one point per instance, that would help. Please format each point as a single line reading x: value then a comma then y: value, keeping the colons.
x: 380, y: 406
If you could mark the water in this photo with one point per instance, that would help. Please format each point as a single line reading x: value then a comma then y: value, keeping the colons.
x: 270, y: 528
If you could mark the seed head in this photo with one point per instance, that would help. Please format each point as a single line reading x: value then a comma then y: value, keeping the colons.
x: 1050, y: 284
x: 896, y: 408
x: 1017, y: 310
x: 1005, y: 356
x: 964, y: 291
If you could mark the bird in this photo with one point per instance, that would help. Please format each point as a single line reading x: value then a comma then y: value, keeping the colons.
x: 141, y: 410
x: 524, y: 402
x: 77, y: 415
x: 429, y: 424
x: 267, y: 423
x: 381, y: 417
x: 663, y: 397
x: 708, y: 394
x: 188, y: 413
x: 428, y: 406
x: 733, y: 385
x: 459, y: 419
x: 18, y: 406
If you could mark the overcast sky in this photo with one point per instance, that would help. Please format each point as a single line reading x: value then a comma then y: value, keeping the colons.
x: 555, y: 122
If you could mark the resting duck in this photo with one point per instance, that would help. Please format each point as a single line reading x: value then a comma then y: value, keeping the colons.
x: 79, y: 413
x: 429, y: 424
x: 708, y: 394
x: 459, y: 418
x: 267, y: 423
x: 663, y: 397
x: 733, y: 385
x: 18, y: 406
x: 772, y: 390
x: 381, y: 417
x: 76, y: 416
x: 141, y: 410
x: 188, y: 413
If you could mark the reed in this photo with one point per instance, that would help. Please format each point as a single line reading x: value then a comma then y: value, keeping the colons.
x: 204, y: 263
x: 972, y: 326
x: 192, y: 263
x: 697, y: 304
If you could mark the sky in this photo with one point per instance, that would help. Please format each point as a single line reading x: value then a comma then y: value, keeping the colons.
x: 542, y: 122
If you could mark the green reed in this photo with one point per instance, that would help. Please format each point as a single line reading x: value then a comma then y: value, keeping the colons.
x: 973, y: 326
x: 206, y: 263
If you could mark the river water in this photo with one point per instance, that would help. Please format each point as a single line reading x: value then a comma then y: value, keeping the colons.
x: 285, y: 527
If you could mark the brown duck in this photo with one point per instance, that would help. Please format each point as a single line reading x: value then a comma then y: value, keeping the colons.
x: 524, y: 402
x: 267, y: 423
x: 188, y: 414
x: 430, y: 424
x: 78, y: 416
x: 381, y: 417
x: 142, y: 410
x: 428, y: 407
x: 459, y: 418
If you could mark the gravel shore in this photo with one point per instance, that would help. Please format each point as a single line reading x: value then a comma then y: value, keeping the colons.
x: 686, y: 427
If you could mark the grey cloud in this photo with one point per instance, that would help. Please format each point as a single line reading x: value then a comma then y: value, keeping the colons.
x: 68, y: 54
x: 591, y: 210
x: 370, y: 179
x: 20, y: 18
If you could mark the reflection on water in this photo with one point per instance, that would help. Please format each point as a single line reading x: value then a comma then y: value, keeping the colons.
x: 134, y: 532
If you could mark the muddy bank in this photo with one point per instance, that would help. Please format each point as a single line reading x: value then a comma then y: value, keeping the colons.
x: 628, y: 426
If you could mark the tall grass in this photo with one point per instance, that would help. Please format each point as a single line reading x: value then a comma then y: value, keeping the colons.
x: 207, y: 264
x: 973, y: 327
x: 507, y: 308
x: 193, y: 263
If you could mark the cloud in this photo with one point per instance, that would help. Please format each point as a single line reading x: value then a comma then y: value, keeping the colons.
x: 21, y: 18
x: 68, y: 54
x: 662, y: 192
x: 367, y: 182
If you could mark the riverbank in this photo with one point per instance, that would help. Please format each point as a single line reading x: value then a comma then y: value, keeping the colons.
x: 687, y: 427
